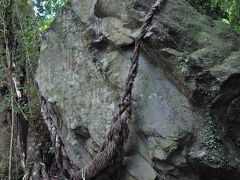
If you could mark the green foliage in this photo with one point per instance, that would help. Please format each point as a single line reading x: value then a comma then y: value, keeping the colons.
x: 3, y: 168
x: 51, y: 150
x: 24, y: 51
x: 226, y: 10
x: 19, y: 40
x: 45, y: 11
x: 213, y: 143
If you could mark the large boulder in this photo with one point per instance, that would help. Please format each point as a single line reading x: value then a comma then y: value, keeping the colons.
x: 186, y: 95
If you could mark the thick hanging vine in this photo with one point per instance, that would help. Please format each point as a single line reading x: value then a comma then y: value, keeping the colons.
x: 107, y: 161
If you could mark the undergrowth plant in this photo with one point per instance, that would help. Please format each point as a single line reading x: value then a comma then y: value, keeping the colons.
x: 215, y: 153
x: 20, y: 33
x: 21, y: 24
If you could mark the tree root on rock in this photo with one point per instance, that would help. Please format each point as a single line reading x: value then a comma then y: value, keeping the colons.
x: 106, y: 163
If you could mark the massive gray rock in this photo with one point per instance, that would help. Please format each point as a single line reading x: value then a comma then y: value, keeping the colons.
x: 186, y: 95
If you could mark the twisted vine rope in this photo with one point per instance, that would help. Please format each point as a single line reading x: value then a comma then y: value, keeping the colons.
x: 107, y: 162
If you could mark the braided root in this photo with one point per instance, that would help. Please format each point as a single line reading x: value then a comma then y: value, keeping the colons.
x: 106, y: 163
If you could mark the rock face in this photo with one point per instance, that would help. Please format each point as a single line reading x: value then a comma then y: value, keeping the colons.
x: 187, y: 107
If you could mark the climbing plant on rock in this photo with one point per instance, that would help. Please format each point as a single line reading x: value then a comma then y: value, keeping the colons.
x: 106, y: 163
x: 19, y: 49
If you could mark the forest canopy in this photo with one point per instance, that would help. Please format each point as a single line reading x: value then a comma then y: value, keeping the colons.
x: 45, y: 11
x: 226, y: 10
